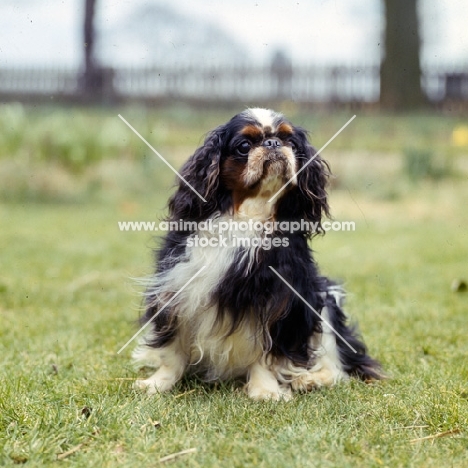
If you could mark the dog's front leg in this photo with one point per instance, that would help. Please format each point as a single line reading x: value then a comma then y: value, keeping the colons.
x: 263, y: 385
x: 171, y: 365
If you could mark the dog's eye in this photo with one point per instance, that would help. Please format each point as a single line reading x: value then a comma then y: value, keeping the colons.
x: 244, y: 148
x: 293, y: 145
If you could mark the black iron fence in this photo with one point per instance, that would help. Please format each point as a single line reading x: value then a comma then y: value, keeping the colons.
x: 305, y: 84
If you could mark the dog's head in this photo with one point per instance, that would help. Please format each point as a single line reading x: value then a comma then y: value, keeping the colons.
x: 257, y: 159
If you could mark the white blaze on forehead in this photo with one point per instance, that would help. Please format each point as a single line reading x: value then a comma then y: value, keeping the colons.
x: 265, y: 117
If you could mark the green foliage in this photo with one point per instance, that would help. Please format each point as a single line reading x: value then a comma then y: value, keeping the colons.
x: 73, y: 139
x: 58, y: 154
x: 422, y: 164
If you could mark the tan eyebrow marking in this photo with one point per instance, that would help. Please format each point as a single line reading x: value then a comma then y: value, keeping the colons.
x: 252, y: 131
x: 285, y: 129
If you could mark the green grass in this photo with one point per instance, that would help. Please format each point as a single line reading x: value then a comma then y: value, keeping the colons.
x: 67, y: 304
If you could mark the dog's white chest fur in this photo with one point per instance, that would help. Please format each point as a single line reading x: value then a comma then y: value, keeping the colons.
x: 204, y: 339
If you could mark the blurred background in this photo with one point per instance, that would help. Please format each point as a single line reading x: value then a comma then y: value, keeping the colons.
x: 176, y: 69
x: 211, y: 52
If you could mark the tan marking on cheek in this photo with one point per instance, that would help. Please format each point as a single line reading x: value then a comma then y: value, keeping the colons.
x: 292, y: 163
x: 254, y: 169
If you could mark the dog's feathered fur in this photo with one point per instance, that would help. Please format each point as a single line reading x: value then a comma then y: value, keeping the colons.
x: 238, y: 317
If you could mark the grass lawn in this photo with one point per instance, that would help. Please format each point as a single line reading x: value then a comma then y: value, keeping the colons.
x: 68, y: 303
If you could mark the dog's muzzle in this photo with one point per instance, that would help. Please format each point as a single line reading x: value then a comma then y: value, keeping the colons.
x: 273, y: 151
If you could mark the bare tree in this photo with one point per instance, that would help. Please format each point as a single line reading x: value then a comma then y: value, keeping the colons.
x: 400, y: 74
x: 88, y: 34
x: 92, y: 76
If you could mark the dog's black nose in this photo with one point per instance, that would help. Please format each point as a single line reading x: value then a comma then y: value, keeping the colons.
x: 272, y: 143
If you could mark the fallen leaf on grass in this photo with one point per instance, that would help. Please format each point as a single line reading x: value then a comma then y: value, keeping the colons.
x: 184, y: 394
x: 172, y: 456
x: 119, y: 449
x: 61, y: 456
x: 436, y: 436
x: 86, y: 412
x: 154, y: 423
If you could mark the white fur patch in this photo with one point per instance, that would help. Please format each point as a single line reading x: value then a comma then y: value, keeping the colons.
x: 201, y: 340
x: 265, y: 117
x: 329, y: 358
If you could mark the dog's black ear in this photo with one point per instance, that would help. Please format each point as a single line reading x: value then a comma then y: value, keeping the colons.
x: 308, y: 199
x: 199, y: 194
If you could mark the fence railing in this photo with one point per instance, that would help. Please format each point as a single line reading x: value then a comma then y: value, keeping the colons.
x: 314, y: 84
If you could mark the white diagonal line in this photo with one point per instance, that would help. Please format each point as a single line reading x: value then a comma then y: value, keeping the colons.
x: 159, y: 155
x: 311, y: 308
x: 161, y: 309
x: 311, y: 159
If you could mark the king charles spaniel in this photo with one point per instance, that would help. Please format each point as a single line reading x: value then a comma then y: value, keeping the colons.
x: 236, y: 292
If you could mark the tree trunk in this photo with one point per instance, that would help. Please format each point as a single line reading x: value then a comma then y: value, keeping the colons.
x: 400, y: 74
x: 91, y: 78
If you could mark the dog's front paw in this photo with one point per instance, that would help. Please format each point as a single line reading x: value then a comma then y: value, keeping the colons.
x: 272, y: 393
x: 159, y: 382
x: 147, y: 386
x: 311, y: 380
x: 262, y: 384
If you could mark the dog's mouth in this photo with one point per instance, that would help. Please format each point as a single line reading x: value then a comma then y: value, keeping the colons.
x: 274, y: 156
x: 278, y: 163
x: 276, y: 167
